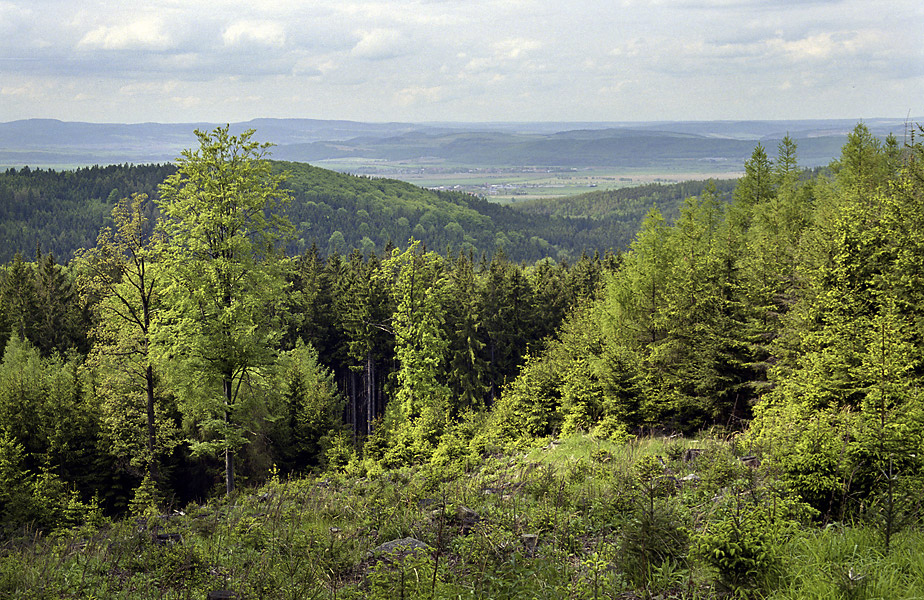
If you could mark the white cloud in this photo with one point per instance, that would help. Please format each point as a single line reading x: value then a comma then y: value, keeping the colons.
x: 187, y: 101
x: 26, y: 90
x: 516, y: 47
x: 145, y: 88
x: 266, y: 33
x: 378, y: 44
x: 146, y: 33
x: 407, y: 59
x: 13, y: 16
x: 415, y: 94
x: 829, y: 45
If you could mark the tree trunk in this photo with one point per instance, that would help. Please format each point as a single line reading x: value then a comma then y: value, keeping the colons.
x: 370, y: 392
x: 153, y: 464
x: 229, y: 454
x: 353, y: 404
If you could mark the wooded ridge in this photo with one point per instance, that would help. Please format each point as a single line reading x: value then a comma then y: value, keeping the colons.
x: 62, y: 211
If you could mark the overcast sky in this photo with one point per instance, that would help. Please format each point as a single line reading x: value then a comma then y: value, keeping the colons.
x: 460, y: 60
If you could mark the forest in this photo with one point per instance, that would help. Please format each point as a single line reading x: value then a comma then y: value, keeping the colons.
x: 63, y: 211
x: 724, y: 409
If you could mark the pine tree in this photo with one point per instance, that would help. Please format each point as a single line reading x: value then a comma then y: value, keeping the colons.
x: 468, y: 378
x: 55, y: 305
x: 18, y: 294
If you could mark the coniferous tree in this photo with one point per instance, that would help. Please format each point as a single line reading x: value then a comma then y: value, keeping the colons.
x: 312, y: 412
x: 465, y: 330
x: 18, y: 293
x: 59, y: 316
x: 507, y: 306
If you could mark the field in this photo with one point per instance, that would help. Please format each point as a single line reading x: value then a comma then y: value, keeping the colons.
x: 509, y: 184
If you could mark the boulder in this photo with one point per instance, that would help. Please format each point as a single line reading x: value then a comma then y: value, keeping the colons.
x: 468, y: 517
x: 530, y: 541
x: 405, y: 545
x: 167, y: 539
x: 750, y: 461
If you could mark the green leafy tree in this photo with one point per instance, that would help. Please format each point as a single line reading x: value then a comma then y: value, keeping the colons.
x: 312, y: 410
x: 120, y: 278
x: 221, y: 229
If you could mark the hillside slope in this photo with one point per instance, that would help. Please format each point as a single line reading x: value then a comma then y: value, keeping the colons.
x: 61, y: 211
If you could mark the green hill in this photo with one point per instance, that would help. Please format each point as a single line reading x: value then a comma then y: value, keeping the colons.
x: 61, y: 211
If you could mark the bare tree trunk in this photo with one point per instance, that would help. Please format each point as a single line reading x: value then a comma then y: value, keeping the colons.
x: 353, y: 404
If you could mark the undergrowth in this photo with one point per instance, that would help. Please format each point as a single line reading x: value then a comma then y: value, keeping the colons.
x: 576, y: 518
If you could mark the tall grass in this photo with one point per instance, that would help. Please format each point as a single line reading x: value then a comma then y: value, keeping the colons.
x: 849, y: 563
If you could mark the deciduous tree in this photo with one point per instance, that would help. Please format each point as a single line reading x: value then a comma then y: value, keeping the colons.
x: 221, y: 227
x: 120, y: 277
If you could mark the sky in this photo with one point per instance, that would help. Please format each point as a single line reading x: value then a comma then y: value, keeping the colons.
x: 176, y: 61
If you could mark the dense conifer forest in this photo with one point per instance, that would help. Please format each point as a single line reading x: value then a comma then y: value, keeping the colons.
x: 725, y: 408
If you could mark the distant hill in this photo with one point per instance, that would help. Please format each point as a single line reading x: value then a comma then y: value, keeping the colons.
x: 52, y: 143
x: 624, y: 148
x: 61, y: 211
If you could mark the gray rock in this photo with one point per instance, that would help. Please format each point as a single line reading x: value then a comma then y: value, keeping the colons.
x: 401, y: 545
x: 167, y: 539
x: 464, y: 513
x: 750, y: 461
x: 468, y: 517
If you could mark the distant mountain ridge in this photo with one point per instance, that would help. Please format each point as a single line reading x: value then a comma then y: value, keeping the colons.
x: 61, y: 144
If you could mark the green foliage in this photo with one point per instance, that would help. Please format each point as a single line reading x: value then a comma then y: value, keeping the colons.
x: 529, y: 406
x: 61, y: 211
x: 799, y: 305
x: 309, y: 432
x: 743, y: 539
x: 221, y: 228
x: 655, y: 533
x: 555, y: 524
x: 847, y: 563
x: 119, y: 278
x: 807, y: 448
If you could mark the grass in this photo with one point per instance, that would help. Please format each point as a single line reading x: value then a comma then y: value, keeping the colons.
x: 573, y: 518
x: 848, y: 562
